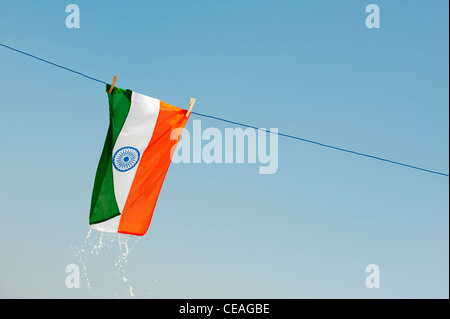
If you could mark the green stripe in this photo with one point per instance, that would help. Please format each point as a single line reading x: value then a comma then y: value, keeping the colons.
x: 103, y: 202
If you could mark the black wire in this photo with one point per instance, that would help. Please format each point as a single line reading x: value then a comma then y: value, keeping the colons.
x: 54, y: 64
x: 321, y: 144
x: 246, y: 125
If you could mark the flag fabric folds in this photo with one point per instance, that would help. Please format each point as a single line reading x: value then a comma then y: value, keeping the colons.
x: 134, y: 161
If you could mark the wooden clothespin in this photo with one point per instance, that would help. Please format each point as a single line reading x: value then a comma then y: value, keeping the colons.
x: 191, y: 105
x: 113, y: 84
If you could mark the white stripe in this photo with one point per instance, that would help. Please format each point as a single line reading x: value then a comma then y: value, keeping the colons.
x: 136, y: 132
x: 110, y: 226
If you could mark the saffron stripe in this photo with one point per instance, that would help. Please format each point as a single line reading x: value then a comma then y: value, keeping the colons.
x: 149, y: 178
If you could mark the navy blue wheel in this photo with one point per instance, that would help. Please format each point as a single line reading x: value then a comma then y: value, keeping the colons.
x: 126, y: 158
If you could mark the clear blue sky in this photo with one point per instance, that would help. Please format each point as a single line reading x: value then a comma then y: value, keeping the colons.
x: 308, y: 68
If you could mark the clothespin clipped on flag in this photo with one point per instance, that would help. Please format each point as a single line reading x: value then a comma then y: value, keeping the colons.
x: 191, y: 105
x: 113, y: 84
x: 191, y: 102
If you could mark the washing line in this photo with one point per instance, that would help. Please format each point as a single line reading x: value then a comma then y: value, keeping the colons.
x: 245, y: 125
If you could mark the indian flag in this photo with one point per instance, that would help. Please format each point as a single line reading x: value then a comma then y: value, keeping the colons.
x: 134, y: 161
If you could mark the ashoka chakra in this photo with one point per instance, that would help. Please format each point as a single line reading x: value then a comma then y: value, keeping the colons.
x: 126, y: 158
